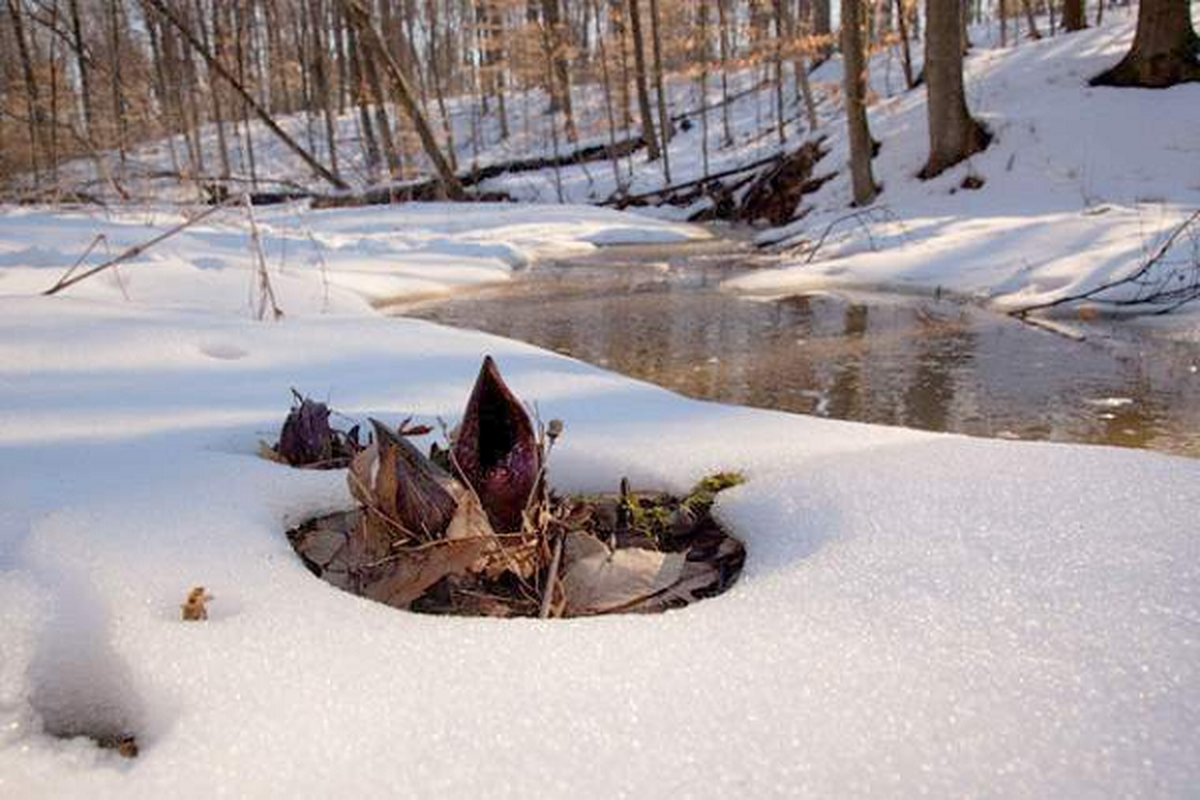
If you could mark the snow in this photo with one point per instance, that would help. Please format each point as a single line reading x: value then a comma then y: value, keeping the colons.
x: 1080, y: 183
x: 320, y: 261
x: 919, y: 613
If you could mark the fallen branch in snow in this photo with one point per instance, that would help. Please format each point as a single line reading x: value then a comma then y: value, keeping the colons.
x: 133, y: 252
x: 773, y: 187
x: 429, y: 189
x: 1157, y: 282
x: 632, y: 199
x: 863, y: 217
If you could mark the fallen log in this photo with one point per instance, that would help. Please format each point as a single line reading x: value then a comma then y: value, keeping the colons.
x: 431, y: 190
x: 770, y: 188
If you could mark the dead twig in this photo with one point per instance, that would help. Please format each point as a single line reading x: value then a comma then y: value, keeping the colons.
x: 132, y: 252
x: 100, y: 237
x: 1169, y: 292
x: 862, y: 217
x: 266, y: 293
x: 551, y: 579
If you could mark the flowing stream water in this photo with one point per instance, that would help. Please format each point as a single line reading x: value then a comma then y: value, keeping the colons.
x: 657, y: 313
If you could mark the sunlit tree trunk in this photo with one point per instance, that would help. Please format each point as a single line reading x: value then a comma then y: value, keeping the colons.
x: 643, y: 91
x: 1165, y: 49
x: 854, y: 84
x: 953, y: 133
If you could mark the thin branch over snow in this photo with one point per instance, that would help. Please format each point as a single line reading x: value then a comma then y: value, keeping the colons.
x: 1159, y: 283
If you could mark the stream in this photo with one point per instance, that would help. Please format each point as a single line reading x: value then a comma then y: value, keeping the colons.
x: 656, y: 313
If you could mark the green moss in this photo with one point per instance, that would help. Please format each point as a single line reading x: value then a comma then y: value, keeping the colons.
x: 702, y: 496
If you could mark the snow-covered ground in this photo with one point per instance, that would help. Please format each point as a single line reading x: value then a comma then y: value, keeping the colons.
x: 318, y: 261
x: 1080, y: 183
x: 918, y: 613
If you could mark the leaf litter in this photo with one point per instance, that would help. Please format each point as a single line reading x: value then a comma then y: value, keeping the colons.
x: 473, y: 528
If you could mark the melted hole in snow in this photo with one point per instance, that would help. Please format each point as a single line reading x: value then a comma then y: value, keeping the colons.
x: 224, y: 352
x: 81, y: 687
x: 634, y: 552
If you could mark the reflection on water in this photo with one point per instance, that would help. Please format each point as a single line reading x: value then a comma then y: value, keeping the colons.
x: 657, y: 314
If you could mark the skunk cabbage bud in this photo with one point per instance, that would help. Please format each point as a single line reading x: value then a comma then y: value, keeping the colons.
x: 306, y: 437
x: 497, y: 449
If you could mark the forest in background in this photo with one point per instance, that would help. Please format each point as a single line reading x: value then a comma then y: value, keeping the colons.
x: 95, y: 79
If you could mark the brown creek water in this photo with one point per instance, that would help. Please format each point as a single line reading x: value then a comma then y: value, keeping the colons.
x: 656, y: 313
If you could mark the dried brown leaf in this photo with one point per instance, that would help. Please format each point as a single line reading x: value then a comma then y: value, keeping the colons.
x: 597, y: 580
x: 361, y: 476
x: 410, y: 489
x: 408, y: 573
x: 195, y: 608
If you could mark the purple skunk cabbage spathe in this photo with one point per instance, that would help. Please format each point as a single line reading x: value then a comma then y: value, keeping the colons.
x: 497, y: 449
x: 405, y: 486
x: 306, y: 437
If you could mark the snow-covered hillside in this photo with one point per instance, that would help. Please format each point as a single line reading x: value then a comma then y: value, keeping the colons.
x: 1079, y: 183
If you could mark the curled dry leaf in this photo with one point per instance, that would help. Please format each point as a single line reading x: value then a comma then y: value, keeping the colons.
x: 346, y: 550
x: 407, y: 573
x: 497, y: 449
x: 195, y: 608
x: 394, y: 479
x: 597, y: 580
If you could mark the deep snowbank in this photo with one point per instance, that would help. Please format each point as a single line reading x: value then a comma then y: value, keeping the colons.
x: 918, y: 612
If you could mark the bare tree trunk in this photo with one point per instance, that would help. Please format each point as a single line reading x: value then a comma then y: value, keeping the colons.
x: 358, y: 90
x: 32, y: 102
x: 118, y: 100
x: 260, y: 112
x: 665, y: 129
x: 1030, y: 20
x: 333, y: 21
x: 1073, y: 18
x: 321, y: 80
x: 435, y: 78
x: 383, y: 123
x: 820, y: 26
x: 643, y: 92
x: 854, y: 83
x: 702, y: 57
x: 608, y: 103
x: 777, y: 55
x: 358, y: 15
x: 560, y: 88
x: 953, y: 133
x: 1165, y: 51
x: 241, y: 19
x: 217, y: 47
x: 616, y: 16
x: 910, y: 79
x: 723, y: 24
x: 83, y: 64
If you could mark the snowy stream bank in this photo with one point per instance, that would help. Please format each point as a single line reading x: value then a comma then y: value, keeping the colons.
x: 918, y: 612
